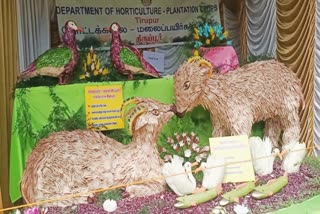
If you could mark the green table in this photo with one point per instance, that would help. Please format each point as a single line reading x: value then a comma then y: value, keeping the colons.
x: 311, y: 206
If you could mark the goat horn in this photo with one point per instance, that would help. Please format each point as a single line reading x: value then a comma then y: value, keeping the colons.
x: 194, y: 58
x: 205, y: 63
x: 125, y: 104
x: 202, y: 62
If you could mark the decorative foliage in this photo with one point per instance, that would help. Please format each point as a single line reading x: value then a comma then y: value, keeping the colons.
x: 301, y: 187
x: 92, y: 66
x: 253, y: 58
x: 55, y: 57
x: 37, y: 81
x: 184, y: 145
x: 111, y: 195
x: 131, y: 59
x: 60, y: 118
x: 83, y: 72
x: 205, y: 31
x: 128, y: 59
x: 56, y: 62
x: 59, y: 115
x: 23, y: 126
x: 206, y: 35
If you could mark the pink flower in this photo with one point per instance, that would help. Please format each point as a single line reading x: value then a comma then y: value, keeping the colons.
x: 184, y: 134
x: 33, y: 210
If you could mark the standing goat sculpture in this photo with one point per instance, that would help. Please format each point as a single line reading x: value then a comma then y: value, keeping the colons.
x: 71, y: 162
x: 260, y: 91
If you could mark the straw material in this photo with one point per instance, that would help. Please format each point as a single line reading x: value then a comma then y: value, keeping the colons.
x: 261, y: 91
x: 70, y: 162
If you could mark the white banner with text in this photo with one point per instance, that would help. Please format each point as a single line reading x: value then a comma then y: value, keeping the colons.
x: 143, y: 22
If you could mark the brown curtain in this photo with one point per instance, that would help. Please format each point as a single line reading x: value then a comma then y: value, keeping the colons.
x: 243, y: 31
x: 295, y: 47
x: 8, y: 72
x: 1, y: 205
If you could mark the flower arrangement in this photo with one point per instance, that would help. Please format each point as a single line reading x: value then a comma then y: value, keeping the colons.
x: 92, y: 66
x: 205, y: 35
x: 184, y: 145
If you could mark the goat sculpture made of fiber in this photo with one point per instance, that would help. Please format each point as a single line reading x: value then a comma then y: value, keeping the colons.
x: 260, y: 91
x: 71, y: 162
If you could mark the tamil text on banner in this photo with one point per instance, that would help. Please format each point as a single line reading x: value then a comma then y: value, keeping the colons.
x: 143, y: 22
x: 103, y: 107
x: 236, y: 151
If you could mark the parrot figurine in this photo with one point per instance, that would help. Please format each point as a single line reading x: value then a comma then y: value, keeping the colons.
x: 57, y: 62
x: 127, y: 59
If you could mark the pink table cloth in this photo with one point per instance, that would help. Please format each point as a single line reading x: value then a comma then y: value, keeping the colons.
x: 224, y: 58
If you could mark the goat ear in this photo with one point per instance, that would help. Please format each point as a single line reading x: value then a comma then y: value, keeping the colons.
x: 205, y: 65
x: 206, y: 71
x: 139, y: 124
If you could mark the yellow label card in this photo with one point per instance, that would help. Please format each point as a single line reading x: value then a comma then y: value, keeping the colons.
x: 236, y: 151
x: 103, y: 107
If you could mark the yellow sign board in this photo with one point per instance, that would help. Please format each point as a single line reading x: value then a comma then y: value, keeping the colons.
x: 236, y: 151
x: 103, y: 107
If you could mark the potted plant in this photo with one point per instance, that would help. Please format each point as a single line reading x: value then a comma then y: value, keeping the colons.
x: 212, y: 43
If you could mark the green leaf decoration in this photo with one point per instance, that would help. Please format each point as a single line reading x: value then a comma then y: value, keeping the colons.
x: 129, y: 58
x: 61, y: 118
x: 271, y: 188
x: 23, y: 126
x: 197, y: 198
x: 55, y: 57
x: 112, y: 195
